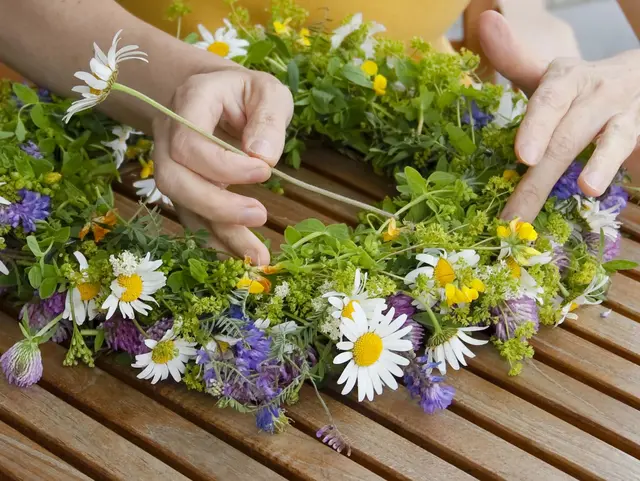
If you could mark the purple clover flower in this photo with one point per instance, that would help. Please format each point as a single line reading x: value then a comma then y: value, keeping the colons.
x: 480, y: 118
x: 611, y: 248
x: 42, y: 312
x: 567, y: 185
x: 122, y: 335
x: 333, y: 438
x: 402, y: 304
x: 434, y: 395
x: 32, y: 207
x: 22, y: 363
x: 513, y: 313
x: 30, y: 148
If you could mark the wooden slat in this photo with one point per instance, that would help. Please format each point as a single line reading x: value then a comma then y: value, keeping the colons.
x: 539, y: 432
x: 150, y: 425
x: 555, y: 392
x: 615, y: 332
x: 630, y: 251
x: 23, y: 459
x: 373, y: 445
x: 630, y: 218
x: 293, y: 453
x: 453, y: 438
x: 589, y: 363
x: 623, y: 296
x: 78, y: 439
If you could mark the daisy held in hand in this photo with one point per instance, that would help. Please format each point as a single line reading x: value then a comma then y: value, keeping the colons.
x: 102, y: 80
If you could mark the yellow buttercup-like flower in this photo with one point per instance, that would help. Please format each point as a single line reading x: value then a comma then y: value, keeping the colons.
x: 392, y: 232
x: 510, y: 175
x: 523, y: 230
x: 304, y: 37
x: 370, y: 68
x: 282, y: 28
x: 255, y: 285
x: 147, y: 169
x: 380, y: 84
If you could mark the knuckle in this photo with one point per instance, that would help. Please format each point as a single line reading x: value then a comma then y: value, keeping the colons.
x: 562, y: 147
x: 178, y: 146
x: 549, y: 96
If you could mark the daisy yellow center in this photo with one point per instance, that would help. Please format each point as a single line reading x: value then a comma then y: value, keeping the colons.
x: 88, y: 290
x: 367, y: 349
x: 164, y: 352
x: 349, y: 309
x: 219, y: 48
x: 132, y: 286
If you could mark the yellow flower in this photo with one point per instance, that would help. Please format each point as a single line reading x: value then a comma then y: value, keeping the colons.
x: 392, y: 231
x: 257, y: 285
x: 268, y: 270
x: 147, y: 169
x: 304, y: 37
x: 380, y: 84
x: 444, y: 273
x: 52, y: 178
x: 100, y: 226
x: 523, y: 230
x: 463, y: 295
x: 514, y: 267
x: 282, y: 28
x: 370, y: 68
x: 510, y: 175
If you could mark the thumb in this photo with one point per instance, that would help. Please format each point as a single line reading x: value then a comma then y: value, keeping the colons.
x: 508, y: 55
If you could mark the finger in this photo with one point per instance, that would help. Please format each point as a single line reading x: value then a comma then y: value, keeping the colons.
x: 508, y: 55
x: 242, y: 242
x: 269, y: 108
x: 616, y: 143
x: 576, y: 130
x: 546, y: 108
x: 203, y: 105
x: 211, y: 202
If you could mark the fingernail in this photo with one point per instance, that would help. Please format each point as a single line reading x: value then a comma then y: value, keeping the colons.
x: 262, y: 148
x: 259, y: 174
x: 593, y: 182
x: 252, y: 216
x: 528, y: 154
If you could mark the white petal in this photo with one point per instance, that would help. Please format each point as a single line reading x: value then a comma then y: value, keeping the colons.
x: 450, y: 356
x: 343, y: 357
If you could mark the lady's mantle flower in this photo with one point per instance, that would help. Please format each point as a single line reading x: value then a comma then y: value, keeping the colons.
x: 147, y: 189
x: 224, y: 42
x: 368, y: 350
x: 168, y: 356
x: 443, y: 271
x: 513, y: 313
x: 104, y: 72
x: 515, y: 241
x: 80, y: 303
x: 421, y: 383
x: 597, y: 218
x: 31, y: 149
x: 136, y: 279
x: 31, y: 208
x: 344, y: 304
x: 447, y: 347
x: 119, y: 144
x: 22, y: 363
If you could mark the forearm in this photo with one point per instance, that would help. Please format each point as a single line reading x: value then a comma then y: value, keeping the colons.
x: 631, y: 9
x: 48, y: 40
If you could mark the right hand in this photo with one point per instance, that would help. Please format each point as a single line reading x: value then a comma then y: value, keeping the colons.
x: 253, y: 107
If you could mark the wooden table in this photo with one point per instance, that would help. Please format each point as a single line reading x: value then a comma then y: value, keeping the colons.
x: 573, y: 412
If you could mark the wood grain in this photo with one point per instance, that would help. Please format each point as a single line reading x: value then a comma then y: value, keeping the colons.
x: 630, y: 218
x: 623, y: 296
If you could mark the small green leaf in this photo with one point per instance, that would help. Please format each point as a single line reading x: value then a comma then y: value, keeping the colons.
x: 355, y: 75
x: 258, y: 52
x: 281, y: 47
x: 460, y: 140
x: 38, y: 116
x: 191, y: 38
x: 619, y: 265
x: 6, y: 135
x: 176, y: 281
x: 197, y: 270
x: 48, y: 287
x: 99, y: 340
x: 63, y: 234
x: 49, y: 271
x: 293, y: 74
x: 308, y: 226
x: 25, y: 94
x: 35, y: 276
x: 33, y: 246
x: 291, y: 235
x: 21, y: 132
x: 415, y: 181
x: 338, y: 231
x: 441, y: 179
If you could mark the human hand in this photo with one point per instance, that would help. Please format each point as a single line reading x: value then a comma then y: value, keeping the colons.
x: 572, y: 103
x: 253, y: 107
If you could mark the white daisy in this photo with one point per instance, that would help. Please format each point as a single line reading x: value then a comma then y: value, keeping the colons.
x: 224, y: 42
x: 448, y: 347
x: 368, y: 350
x: 136, y: 279
x: 81, y: 296
x: 528, y: 286
x: 104, y: 71
x: 344, y: 304
x: 511, y: 107
x: 3, y: 269
x: 597, y: 219
x: 342, y: 32
x: 147, y: 189
x: 3, y: 201
x: 119, y: 144
x: 169, y: 355
x: 369, y: 44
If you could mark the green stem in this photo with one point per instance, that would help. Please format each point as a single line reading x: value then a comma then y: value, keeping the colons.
x: 420, y: 122
x: 296, y: 318
x: 564, y: 290
x: 415, y: 201
x: 142, y: 331
x: 306, y: 239
x: 227, y: 146
x: 179, y: 27
x: 436, y: 325
x: 89, y: 332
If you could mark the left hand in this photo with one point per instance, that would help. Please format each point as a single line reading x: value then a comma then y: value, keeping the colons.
x: 573, y: 102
